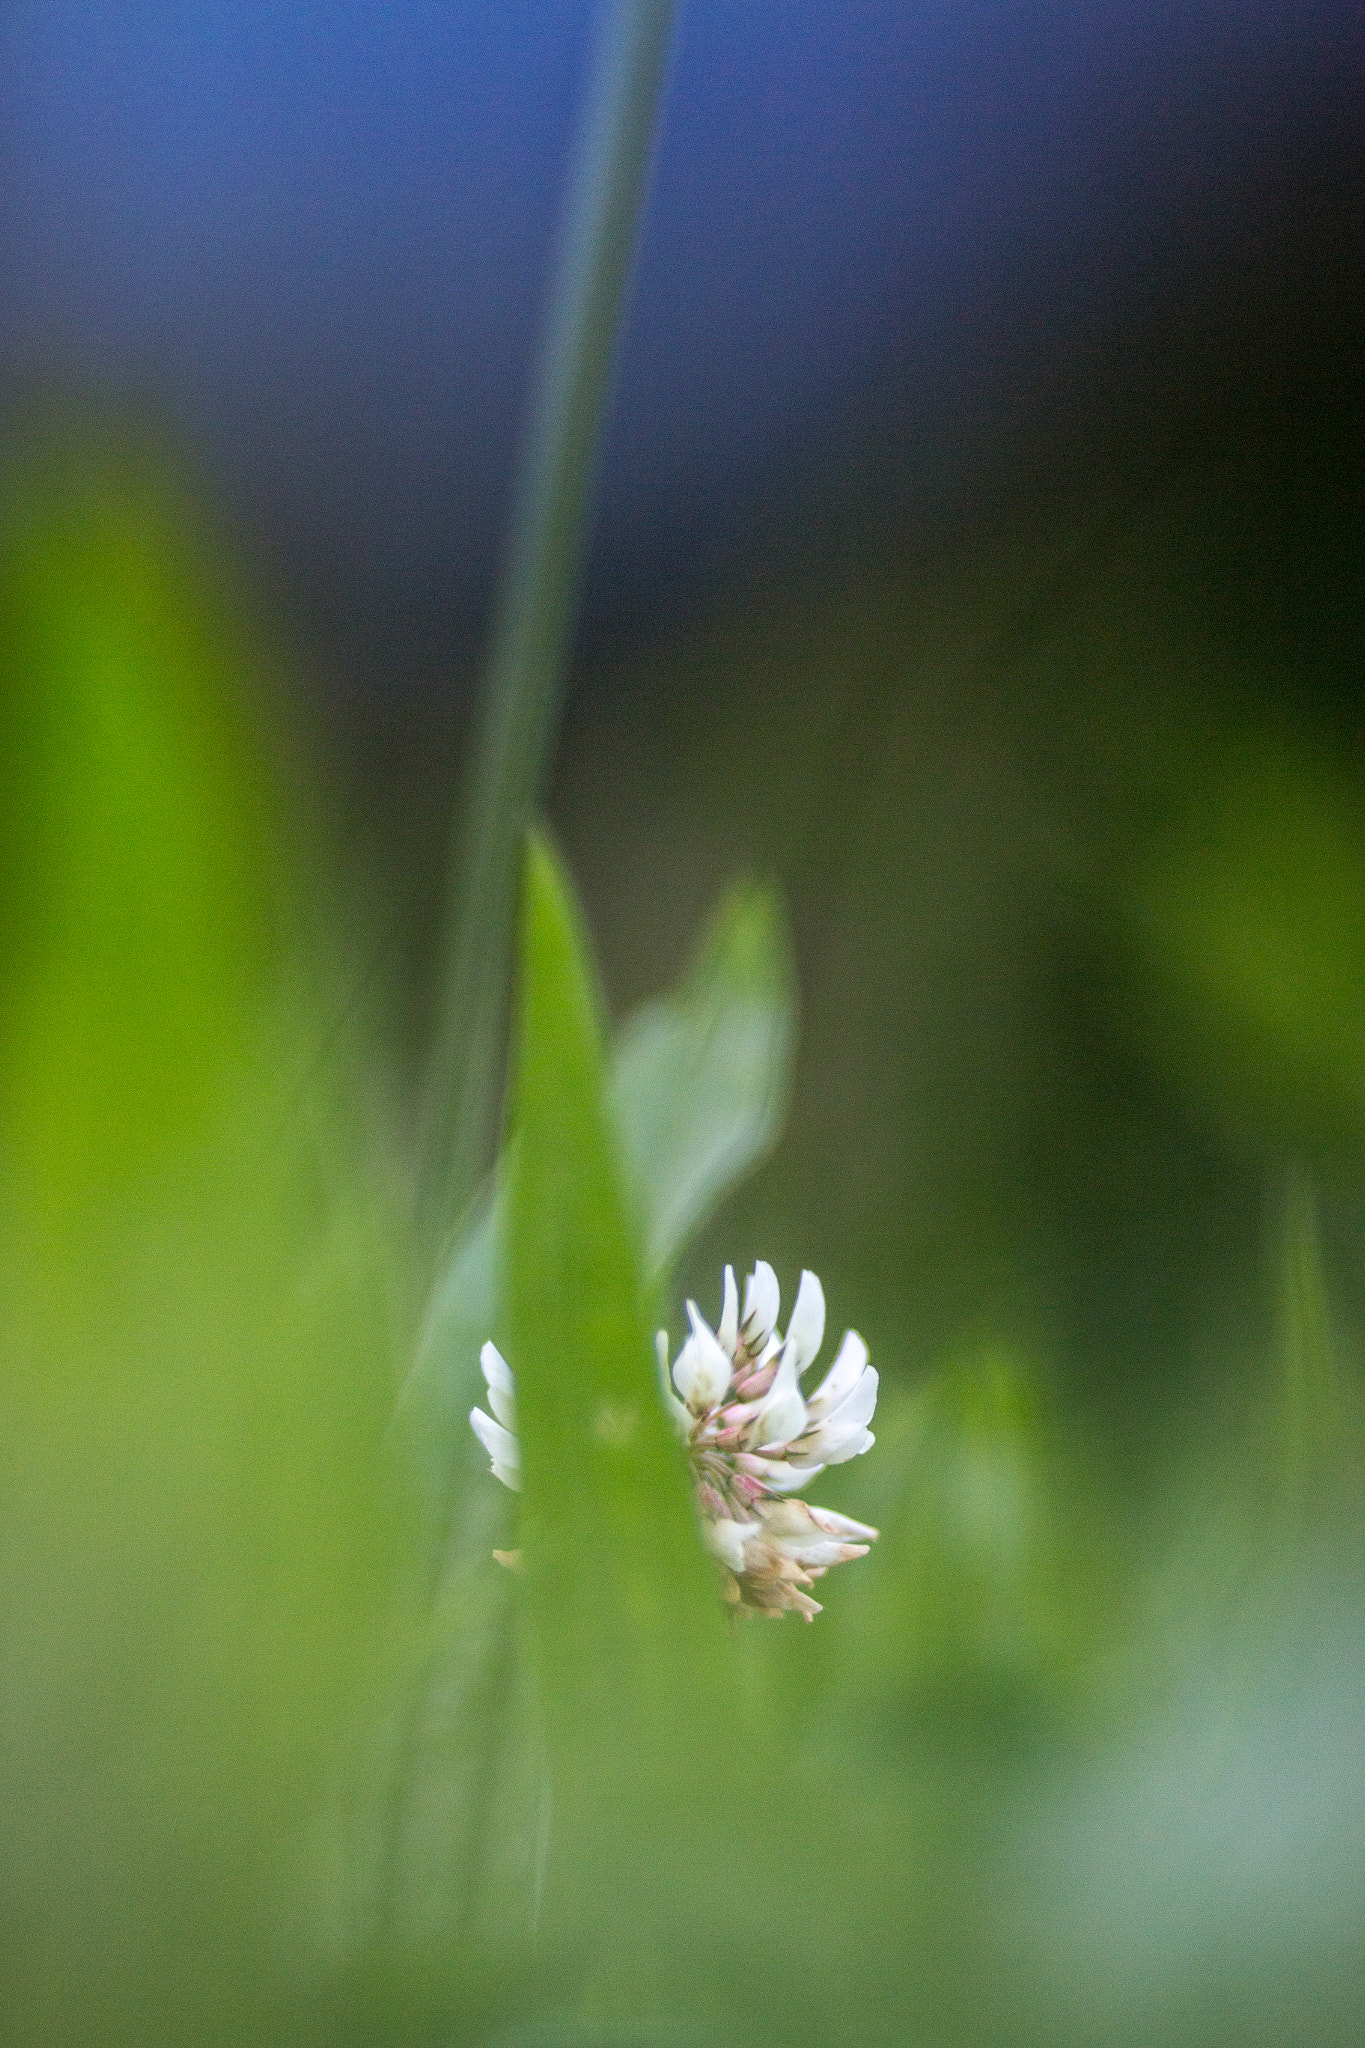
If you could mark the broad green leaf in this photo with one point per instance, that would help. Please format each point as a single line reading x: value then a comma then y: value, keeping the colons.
x: 700, y: 1079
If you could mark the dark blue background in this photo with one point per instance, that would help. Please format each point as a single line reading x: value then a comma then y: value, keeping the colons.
x: 318, y: 236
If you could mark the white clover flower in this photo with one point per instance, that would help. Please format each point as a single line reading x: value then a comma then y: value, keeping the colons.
x: 753, y: 1438
x: 498, y: 1432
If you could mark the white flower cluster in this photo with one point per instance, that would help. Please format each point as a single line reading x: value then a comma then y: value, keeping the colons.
x: 753, y: 1438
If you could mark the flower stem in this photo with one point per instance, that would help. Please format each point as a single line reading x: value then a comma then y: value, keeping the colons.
x: 523, y: 682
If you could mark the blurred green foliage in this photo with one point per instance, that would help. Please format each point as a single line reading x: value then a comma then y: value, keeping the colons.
x: 285, y: 1755
x: 1251, y: 922
x: 197, y: 1299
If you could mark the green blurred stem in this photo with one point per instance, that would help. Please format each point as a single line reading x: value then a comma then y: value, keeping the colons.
x: 537, y: 606
x: 1314, y: 1448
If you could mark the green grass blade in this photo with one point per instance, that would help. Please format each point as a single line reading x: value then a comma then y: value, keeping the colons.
x: 627, y: 1635
x: 625, y: 1610
x: 538, y: 603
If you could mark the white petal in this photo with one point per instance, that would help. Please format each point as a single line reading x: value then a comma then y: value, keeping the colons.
x: 501, y: 1446
x: 727, y: 1332
x: 762, y: 1304
x: 818, y: 1553
x: 779, y: 1474
x: 781, y: 1414
x: 501, y: 1385
x: 790, y: 1478
x: 856, y: 1408
x: 806, y: 1330
x: 702, y: 1371
x: 841, y: 1378
x: 787, y: 1518
x: 788, y: 1525
x: 678, y: 1415
x: 726, y: 1539
x: 842, y: 1526
x: 838, y: 1450
x: 496, y: 1370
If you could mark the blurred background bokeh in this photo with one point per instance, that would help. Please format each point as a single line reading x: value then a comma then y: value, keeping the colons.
x: 978, y: 557
x: 984, y: 470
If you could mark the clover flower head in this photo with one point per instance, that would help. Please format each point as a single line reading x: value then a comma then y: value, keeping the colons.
x: 753, y: 1438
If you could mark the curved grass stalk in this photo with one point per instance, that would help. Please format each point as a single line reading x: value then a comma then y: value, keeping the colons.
x: 523, y: 681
